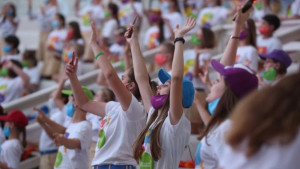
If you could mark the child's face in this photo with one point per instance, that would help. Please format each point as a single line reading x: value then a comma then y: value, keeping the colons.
x: 269, y: 63
x: 217, y: 89
x: 163, y: 88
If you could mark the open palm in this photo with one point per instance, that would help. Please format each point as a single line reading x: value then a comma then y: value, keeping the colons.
x: 189, y: 25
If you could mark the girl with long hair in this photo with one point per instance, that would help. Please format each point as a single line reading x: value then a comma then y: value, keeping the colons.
x: 166, y: 134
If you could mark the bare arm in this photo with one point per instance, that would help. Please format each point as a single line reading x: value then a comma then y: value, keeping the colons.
x: 231, y: 48
x: 140, y: 70
x: 60, y: 139
x: 82, y: 100
x: 57, y: 94
x: 4, y: 165
x: 123, y: 95
x: 18, y: 71
x: 176, y: 108
x: 205, y: 116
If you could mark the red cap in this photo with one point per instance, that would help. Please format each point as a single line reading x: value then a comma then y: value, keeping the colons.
x: 17, y: 117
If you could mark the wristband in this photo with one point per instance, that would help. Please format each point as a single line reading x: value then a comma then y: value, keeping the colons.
x: 234, y: 37
x: 179, y: 39
x: 98, y: 55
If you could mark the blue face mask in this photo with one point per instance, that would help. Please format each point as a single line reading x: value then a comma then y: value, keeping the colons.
x: 213, y: 105
x: 6, y: 131
x: 46, y: 1
x: 10, y: 12
x: 70, y: 110
x: 6, y: 48
x: 55, y: 24
x: 165, y: 6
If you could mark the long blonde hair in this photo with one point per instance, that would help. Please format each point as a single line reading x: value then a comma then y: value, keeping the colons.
x: 271, y: 114
x: 155, y: 146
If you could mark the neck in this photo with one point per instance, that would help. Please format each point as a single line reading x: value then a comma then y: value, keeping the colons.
x: 172, y: 9
x: 267, y: 36
x: 79, y: 116
x: 168, y: 66
x: 243, y: 43
x: 14, y: 135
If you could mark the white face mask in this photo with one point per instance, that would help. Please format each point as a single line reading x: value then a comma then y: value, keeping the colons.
x: 51, y: 104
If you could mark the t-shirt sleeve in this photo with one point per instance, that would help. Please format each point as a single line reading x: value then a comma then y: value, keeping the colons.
x: 182, y: 125
x: 108, y: 29
x: 110, y: 106
x: 35, y: 77
x: 135, y: 111
x: 84, y: 135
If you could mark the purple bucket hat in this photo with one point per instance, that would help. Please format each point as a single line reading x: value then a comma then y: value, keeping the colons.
x: 240, y: 78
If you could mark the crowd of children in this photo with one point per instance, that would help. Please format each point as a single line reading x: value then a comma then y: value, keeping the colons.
x: 247, y: 115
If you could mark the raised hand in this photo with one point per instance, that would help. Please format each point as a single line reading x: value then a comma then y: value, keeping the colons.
x: 189, y: 25
x: 40, y: 118
x: 242, y: 17
x: 94, y: 36
x: 8, y: 64
x: 204, y: 76
x: 71, y: 66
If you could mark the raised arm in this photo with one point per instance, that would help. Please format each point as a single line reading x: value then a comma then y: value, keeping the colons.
x: 176, y: 108
x: 229, y: 55
x: 123, y: 95
x: 139, y: 66
x: 82, y: 100
x: 57, y: 94
x: 18, y: 71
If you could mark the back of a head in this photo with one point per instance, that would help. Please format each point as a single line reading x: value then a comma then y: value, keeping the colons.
x: 170, y: 48
x: 267, y: 116
x: 14, y: 40
x: 30, y: 55
x: 209, y: 40
x: 61, y: 17
x: 252, y: 32
x: 272, y: 20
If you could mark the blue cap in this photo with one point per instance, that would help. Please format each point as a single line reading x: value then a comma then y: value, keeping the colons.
x: 187, y: 88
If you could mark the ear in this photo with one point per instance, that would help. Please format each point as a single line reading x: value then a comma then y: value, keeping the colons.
x: 272, y: 28
x: 131, y: 86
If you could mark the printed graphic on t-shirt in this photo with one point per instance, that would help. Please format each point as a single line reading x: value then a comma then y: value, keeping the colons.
x: 85, y: 19
x: 2, y: 94
x: 237, y: 58
x: 262, y: 49
x: 206, y: 18
x: 52, y: 43
x: 153, y: 39
x: 65, y: 55
x: 146, y: 161
x: 58, y: 160
x: 123, y: 15
x: 102, y: 138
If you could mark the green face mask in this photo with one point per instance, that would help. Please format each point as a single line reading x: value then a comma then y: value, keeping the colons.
x: 106, y: 14
x: 195, y: 40
x: 3, y: 72
x: 259, y: 6
x: 25, y: 63
x: 270, y: 74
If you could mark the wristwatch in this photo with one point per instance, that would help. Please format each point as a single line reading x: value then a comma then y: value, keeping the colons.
x: 179, y: 39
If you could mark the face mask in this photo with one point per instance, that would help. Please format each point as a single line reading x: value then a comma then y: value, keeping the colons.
x: 158, y: 101
x: 70, y: 35
x: 243, y: 35
x: 70, y: 54
x: 6, y: 48
x: 10, y: 12
x: 195, y: 40
x: 124, y: 1
x: 51, y: 104
x: 121, y: 41
x: 270, y: 74
x: 165, y: 6
x: 46, y: 1
x: 25, y: 63
x: 160, y: 59
x: 70, y: 110
x: 6, y: 131
x: 106, y: 14
x: 212, y: 106
x: 3, y: 72
x: 55, y: 24
x: 264, y: 30
x: 154, y: 18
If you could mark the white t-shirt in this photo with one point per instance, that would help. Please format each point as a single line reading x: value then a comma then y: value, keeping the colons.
x: 46, y: 143
x: 151, y: 37
x: 265, y: 46
x: 117, y: 133
x: 10, y: 89
x: 174, y: 139
x: 34, y: 74
x: 108, y: 30
x: 75, y: 158
x: 47, y: 18
x: 7, y: 28
x: 210, y: 153
x: 56, y: 39
x: 269, y: 156
x: 11, y: 57
x: 296, y: 7
x: 175, y: 19
x: 11, y: 152
x: 247, y: 54
x: 126, y: 12
x: 189, y: 62
x: 259, y: 13
x: 2, y: 136
x: 96, y: 13
x: 117, y: 49
x: 213, y: 16
x: 96, y: 122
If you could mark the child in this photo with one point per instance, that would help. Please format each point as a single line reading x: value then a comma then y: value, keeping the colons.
x: 45, y: 17
x: 111, y: 25
x: 9, y: 23
x: 74, y: 141
x: 247, y: 53
x: 128, y: 10
x: 260, y: 130
x: 164, y: 57
x: 12, y: 149
x: 10, y: 48
x: 13, y: 81
x: 166, y: 134
x: 30, y: 67
x: 55, y: 46
x: 275, y: 66
x: 266, y: 43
